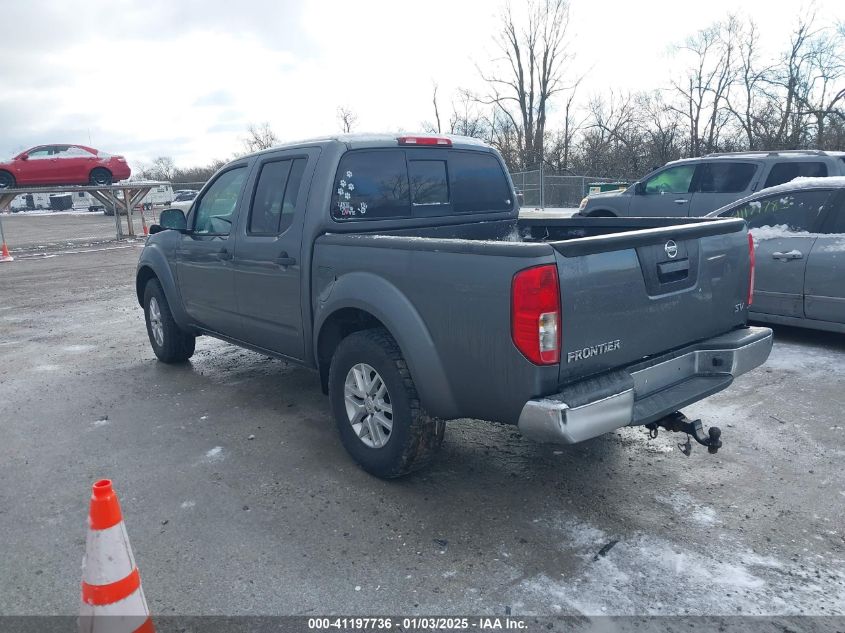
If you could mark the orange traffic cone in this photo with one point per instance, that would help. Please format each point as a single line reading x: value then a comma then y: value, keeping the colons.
x: 112, y: 598
x: 5, y: 256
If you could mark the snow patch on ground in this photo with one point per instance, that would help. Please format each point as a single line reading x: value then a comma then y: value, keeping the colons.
x: 688, y: 508
x: 215, y: 454
x: 644, y: 573
x: 792, y: 358
x: 77, y: 348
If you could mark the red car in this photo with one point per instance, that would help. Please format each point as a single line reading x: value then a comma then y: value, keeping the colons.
x: 62, y: 165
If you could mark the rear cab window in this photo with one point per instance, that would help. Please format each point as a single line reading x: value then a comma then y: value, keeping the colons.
x: 405, y: 183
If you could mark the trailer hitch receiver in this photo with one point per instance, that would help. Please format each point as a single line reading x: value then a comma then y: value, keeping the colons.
x: 679, y: 423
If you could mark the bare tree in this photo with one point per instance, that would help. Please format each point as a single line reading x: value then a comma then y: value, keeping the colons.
x: 259, y: 137
x: 347, y: 119
x: 162, y: 168
x: 704, y: 91
x: 529, y: 73
x: 438, y: 128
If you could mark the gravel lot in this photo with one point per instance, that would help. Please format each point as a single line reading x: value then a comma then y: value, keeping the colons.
x: 285, y: 524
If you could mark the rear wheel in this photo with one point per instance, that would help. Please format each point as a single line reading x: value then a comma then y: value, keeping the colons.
x: 170, y: 343
x: 7, y: 180
x: 376, y: 407
x: 101, y: 176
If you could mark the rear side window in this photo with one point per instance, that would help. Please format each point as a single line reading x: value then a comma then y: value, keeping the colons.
x: 784, y: 172
x: 725, y: 177
x: 793, y: 212
x: 371, y: 184
x: 478, y: 183
x: 274, y: 203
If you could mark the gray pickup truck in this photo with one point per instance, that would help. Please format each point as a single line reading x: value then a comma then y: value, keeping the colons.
x: 398, y: 269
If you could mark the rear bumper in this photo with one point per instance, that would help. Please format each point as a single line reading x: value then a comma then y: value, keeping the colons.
x: 646, y: 391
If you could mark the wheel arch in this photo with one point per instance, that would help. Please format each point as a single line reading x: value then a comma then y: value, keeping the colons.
x: 602, y: 213
x: 153, y: 265
x: 363, y: 300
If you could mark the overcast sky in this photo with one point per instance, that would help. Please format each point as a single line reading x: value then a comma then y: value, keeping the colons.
x: 184, y: 78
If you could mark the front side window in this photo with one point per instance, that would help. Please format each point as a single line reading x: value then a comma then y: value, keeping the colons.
x: 784, y: 172
x: 371, y: 184
x: 789, y: 212
x: 274, y: 203
x: 39, y: 154
x: 676, y: 179
x: 725, y: 177
x: 215, y: 210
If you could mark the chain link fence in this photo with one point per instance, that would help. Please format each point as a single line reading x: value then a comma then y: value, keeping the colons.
x: 543, y: 189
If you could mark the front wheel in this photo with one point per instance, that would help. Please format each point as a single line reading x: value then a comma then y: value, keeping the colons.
x: 376, y: 407
x: 101, y: 177
x: 170, y: 343
x: 7, y: 181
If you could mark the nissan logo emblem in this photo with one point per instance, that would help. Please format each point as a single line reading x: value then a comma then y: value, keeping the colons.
x: 671, y: 249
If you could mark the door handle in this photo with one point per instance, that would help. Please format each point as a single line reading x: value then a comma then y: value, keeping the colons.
x: 224, y: 255
x: 789, y: 255
x: 680, y: 201
x: 283, y: 260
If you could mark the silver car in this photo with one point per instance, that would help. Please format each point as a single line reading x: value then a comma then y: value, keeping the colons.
x: 799, y: 238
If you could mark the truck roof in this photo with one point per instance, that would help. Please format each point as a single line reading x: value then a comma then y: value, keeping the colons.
x: 366, y: 140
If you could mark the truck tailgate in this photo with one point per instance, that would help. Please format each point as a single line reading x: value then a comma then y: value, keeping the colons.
x: 635, y: 294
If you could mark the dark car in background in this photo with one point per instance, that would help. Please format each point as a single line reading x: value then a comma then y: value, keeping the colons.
x: 799, y: 236
x: 694, y: 187
x: 63, y: 165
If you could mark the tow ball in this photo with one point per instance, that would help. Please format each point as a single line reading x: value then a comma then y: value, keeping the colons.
x: 679, y: 423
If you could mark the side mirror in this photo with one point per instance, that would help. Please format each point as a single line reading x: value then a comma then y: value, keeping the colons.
x: 24, y: 157
x: 639, y: 188
x: 173, y: 219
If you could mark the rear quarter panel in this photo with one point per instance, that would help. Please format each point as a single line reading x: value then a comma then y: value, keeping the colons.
x: 448, y: 306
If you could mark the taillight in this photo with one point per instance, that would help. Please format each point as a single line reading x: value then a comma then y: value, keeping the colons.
x: 535, y: 314
x: 751, y: 261
x: 425, y: 140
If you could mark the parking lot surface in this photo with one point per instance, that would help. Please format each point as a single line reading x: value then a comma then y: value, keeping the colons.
x: 46, y: 232
x: 239, y: 498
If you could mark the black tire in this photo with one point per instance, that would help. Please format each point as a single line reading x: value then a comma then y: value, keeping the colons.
x: 415, y: 436
x: 7, y: 180
x: 176, y: 346
x: 100, y: 176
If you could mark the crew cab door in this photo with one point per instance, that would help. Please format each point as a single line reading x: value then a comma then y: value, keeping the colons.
x: 782, y: 226
x: 824, y: 280
x: 267, y: 264
x: 204, y: 257
x: 664, y: 194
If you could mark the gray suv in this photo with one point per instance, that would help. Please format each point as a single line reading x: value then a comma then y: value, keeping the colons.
x: 696, y: 186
